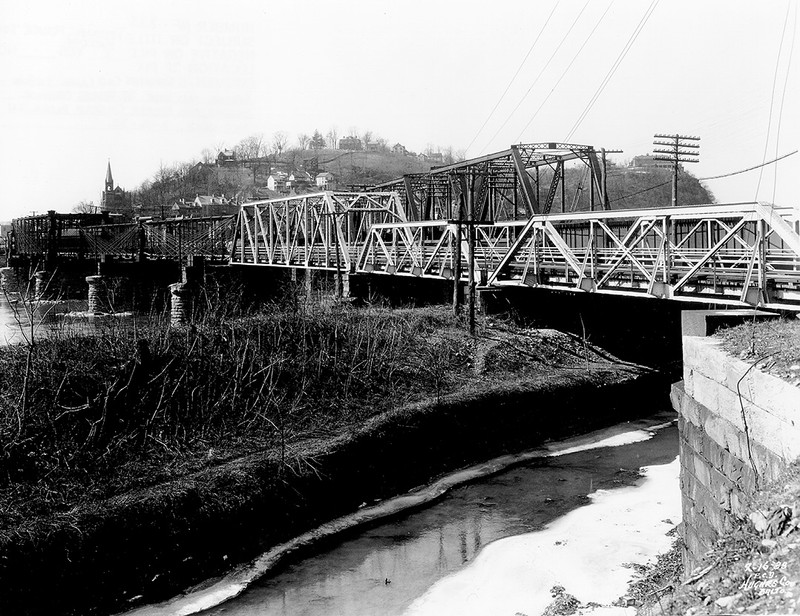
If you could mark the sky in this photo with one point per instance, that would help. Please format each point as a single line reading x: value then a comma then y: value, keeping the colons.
x: 147, y: 83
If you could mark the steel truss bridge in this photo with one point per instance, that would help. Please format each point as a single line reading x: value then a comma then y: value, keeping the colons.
x: 52, y: 237
x: 510, y: 210
x: 526, y: 233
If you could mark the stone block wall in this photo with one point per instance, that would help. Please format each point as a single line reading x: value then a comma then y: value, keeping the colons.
x: 739, y: 427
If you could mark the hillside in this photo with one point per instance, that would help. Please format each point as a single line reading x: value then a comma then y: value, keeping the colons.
x: 630, y: 188
x: 248, y: 179
x: 241, y: 180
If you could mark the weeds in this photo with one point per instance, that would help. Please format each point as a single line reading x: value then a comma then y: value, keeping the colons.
x: 145, y: 395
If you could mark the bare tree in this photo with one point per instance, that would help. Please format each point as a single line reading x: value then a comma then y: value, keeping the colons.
x: 207, y: 156
x: 302, y: 140
x: 352, y: 131
x: 249, y: 147
x: 279, y: 140
x: 367, y: 137
x: 85, y: 207
x: 333, y: 138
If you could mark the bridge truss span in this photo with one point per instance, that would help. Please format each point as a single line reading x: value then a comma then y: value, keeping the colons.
x: 317, y: 231
x: 744, y: 253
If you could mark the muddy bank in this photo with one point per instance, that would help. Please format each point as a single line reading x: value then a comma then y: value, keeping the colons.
x: 145, y: 546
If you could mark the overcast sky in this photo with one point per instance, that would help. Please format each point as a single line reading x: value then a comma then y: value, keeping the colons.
x: 144, y: 83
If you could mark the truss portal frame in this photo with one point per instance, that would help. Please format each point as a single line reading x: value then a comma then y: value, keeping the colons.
x: 504, y: 186
x: 317, y: 231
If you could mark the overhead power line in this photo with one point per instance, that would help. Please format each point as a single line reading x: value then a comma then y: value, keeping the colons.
x: 772, y: 97
x: 519, y: 68
x: 769, y: 162
x: 565, y: 71
x: 631, y: 40
x: 783, y: 99
x: 639, y: 192
x: 535, y: 81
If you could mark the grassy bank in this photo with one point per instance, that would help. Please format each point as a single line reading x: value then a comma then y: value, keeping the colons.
x: 149, y: 458
x: 90, y: 416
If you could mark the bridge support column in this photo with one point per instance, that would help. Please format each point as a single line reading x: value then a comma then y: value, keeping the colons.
x: 180, y: 301
x: 98, y: 294
x: 8, y: 280
x: 42, y: 285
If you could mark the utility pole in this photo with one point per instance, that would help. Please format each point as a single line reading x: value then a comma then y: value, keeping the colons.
x: 676, y: 149
x: 471, y: 252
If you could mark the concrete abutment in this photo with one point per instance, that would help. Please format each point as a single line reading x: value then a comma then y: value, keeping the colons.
x: 739, y: 428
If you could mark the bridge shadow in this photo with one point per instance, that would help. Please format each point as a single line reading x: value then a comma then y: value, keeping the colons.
x: 644, y: 331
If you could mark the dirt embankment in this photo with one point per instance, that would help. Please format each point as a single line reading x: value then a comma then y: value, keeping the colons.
x: 474, y: 399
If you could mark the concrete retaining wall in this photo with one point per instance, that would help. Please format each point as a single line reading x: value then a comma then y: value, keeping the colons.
x: 739, y: 428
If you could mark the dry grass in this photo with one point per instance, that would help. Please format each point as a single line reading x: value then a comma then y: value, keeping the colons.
x: 84, y: 418
x: 88, y: 416
x: 774, y: 345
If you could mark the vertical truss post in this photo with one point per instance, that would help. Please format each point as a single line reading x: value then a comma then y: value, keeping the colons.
x: 413, y: 211
x: 531, y: 198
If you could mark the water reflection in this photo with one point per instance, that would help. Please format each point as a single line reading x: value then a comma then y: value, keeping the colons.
x: 21, y: 321
x: 382, y: 570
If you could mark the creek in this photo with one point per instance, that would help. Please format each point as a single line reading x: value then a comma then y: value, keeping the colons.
x: 574, y: 515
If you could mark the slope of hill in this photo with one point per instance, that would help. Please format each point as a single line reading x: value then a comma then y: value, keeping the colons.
x: 628, y: 187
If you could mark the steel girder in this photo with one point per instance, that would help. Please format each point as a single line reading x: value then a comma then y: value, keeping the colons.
x: 318, y: 231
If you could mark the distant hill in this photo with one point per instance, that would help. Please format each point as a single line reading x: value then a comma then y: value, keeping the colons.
x: 629, y: 188
x: 242, y: 180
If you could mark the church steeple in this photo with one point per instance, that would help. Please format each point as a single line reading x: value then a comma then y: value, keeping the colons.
x: 109, y: 178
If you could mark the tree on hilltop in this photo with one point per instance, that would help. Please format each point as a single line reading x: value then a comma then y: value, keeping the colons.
x: 279, y: 141
x: 333, y: 138
x: 302, y: 140
x: 317, y: 141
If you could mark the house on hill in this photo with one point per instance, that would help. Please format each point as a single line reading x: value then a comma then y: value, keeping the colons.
x: 299, y: 180
x: 373, y: 146
x: 350, y: 143
x: 277, y: 181
x: 399, y: 148
x: 211, y: 205
x: 644, y: 160
x: 181, y: 208
x: 226, y: 158
x: 324, y: 180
